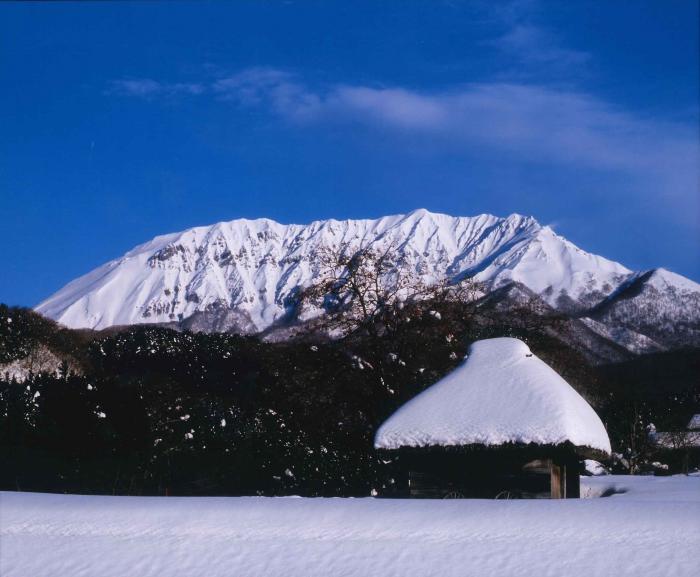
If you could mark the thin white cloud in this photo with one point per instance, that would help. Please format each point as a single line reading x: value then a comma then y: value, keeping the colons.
x: 137, y: 87
x: 397, y: 107
x: 535, y: 122
x: 530, y: 44
x: 146, y: 88
x: 528, y: 47
x: 522, y: 121
x: 276, y: 89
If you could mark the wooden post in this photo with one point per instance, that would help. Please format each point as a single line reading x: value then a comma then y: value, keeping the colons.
x: 558, y: 481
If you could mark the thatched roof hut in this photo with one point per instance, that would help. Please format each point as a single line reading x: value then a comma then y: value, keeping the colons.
x: 503, y: 412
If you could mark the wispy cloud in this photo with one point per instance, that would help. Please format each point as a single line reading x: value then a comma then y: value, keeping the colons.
x: 279, y: 90
x: 146, y: 88
x: 535, y: 122
x: 524, y: 121
x: 528, y: 47
x: 531, y: 44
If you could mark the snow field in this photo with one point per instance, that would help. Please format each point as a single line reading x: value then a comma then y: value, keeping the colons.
x: 653, y: 529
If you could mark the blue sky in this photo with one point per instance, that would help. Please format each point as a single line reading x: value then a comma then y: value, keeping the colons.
x: 124, y: 120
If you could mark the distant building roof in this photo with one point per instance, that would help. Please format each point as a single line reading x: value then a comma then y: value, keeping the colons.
x: 676, y: 439
x: 501, y: 394
x: 694, y: 423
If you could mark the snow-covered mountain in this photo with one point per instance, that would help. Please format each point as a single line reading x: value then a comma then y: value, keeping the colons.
x: 240, y: 275
x: 658, y: 305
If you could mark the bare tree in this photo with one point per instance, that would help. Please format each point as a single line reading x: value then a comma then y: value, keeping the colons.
x: 372, y: 296
x: 356, y: 289
x: 681, y: 442
x: 367, y: 292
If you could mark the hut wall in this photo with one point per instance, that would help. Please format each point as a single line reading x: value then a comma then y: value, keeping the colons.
x: 477, y: 476
x: 489, y: 474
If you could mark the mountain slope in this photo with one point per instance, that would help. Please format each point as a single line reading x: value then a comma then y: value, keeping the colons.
x: 658, y: 304
x: 522, y: 310
x: 241, y: 275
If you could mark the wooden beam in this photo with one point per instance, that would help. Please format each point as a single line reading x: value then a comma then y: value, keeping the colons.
x: 558, y: 481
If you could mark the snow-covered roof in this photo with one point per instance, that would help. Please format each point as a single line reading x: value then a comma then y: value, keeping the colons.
x: 694, y: 423
x: 502, y: 393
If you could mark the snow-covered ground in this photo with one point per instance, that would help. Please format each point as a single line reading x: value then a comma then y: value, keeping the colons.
x: 653, y: 529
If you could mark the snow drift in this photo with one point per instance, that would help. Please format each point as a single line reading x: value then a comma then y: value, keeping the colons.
x: 652, y: 529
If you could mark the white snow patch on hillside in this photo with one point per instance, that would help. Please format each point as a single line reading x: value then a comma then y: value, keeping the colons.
x: 501, y: 394
x: 653, y: 529
x: 40, y: 360
x: 633, y: 341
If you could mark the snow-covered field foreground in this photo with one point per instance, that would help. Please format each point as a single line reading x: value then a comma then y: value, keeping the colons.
x: 653, y: 529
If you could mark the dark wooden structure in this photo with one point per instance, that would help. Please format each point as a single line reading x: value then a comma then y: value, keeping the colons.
x: 507, y: 471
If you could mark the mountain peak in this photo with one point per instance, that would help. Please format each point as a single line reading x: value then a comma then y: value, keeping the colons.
x: 663, y: 278
x: 247, y: 269
x: 419, y: 213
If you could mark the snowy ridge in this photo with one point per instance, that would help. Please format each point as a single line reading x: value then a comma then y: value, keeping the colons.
x: 246, y: 270
x: 501, y: 394
x: 658, y: 304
